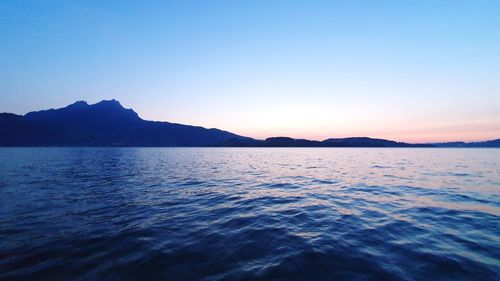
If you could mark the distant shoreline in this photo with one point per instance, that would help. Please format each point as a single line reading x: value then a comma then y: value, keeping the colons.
x: 109, y: 124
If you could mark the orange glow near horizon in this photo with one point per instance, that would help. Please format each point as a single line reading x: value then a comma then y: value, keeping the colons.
x: 409, y: 138
x: 320, y: 122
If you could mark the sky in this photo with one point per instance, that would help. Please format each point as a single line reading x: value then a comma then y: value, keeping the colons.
x: 415, y: 71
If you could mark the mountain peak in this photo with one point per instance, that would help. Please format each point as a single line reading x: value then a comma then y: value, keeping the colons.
x: 80, y: 103
x: 81, y: 112
x: 111, y: 102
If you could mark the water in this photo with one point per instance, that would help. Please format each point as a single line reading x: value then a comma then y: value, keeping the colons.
x: 249, y: 214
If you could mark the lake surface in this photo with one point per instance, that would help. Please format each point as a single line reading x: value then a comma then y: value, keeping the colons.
x: 249, y: 214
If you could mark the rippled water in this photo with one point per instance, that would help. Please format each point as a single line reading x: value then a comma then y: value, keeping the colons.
x: 249, y: 214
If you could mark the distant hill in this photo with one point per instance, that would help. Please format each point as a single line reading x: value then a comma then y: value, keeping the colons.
x: 107, y: 123
x: 491, y: 143
x: 368, y: 142
x: 337, y: 142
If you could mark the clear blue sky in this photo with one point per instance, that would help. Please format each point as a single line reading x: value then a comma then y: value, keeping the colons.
x: 405, y: 70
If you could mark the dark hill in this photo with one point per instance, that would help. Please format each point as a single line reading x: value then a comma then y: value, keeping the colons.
x: 365, y: 142
x: 491, y: 143
x: 337, y: 142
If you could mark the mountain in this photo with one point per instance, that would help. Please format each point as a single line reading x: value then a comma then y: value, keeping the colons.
x: 105, y: 123
x: 108, y: 123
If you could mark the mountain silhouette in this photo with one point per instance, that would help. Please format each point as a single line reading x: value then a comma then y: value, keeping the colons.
x: 108, y: 123
x: 105, y: 123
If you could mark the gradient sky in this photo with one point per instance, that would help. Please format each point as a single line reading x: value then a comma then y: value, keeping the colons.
x: 413, y: 71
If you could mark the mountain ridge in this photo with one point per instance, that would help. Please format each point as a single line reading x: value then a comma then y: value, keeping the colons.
x: 108, y: 123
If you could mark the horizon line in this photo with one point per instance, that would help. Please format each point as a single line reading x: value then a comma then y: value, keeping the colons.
x: 260, y: 137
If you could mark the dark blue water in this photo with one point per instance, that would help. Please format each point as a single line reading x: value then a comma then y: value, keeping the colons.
x: 249, y: 214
